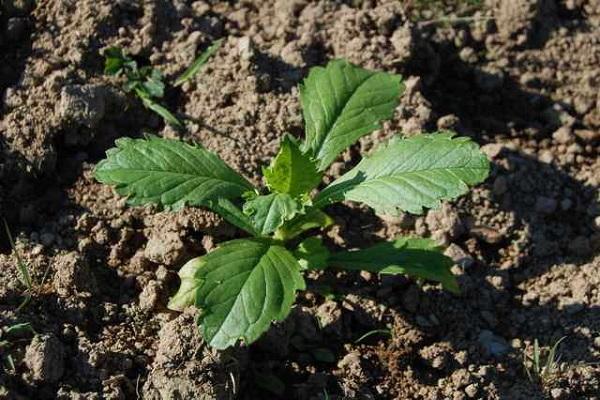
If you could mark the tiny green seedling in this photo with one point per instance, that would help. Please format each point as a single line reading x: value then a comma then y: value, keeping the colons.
x: 148, y: 83
x: 8, y: 338
x: 24, y: 275
x: 539, y: 371
x: 245, y: 284
x: 31, y: 287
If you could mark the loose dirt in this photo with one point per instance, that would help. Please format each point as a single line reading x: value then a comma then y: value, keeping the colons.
x: 521, y: 77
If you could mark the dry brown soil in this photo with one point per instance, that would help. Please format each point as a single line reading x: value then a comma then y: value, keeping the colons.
x: 521, y: 77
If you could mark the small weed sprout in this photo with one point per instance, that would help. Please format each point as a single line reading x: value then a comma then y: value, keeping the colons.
x: 24, y: 275
x: 543, y: 371
x: 245, y: 284
x: 9, y: 336
x: 147, y: 83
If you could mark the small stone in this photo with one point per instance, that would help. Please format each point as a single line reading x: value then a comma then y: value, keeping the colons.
x: 488, y: 235
x: 150, y: 296
x: 245, y: 48
x: 545, y: 205
x: 587, y: 135
x: 492, y: 150
x: 459, y: 256
x: 449, y: 121
x: 557, y: 393
x: 73, y: 276
x: 468, y: 55
x: 444, y: 221
x: 45, y: 358
x: 546, y: 157
x: 82, y: 105
x: 471, y: 390
x: 165, y: 248
x: 563, y: 135
x: 492, y: 344
x: 47, y: 239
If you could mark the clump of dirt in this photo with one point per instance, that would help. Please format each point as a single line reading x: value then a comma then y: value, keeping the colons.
x: 520, y: 77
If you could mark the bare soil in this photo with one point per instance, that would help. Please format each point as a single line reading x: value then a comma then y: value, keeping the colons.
x: 521, y: 77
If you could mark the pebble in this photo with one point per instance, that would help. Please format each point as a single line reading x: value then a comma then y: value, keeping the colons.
x: 45, y: 358
x: 557, y: 393
x: 492, y: 344
x: 47, y: 239
x: 471, y: 390
x: 149, y: 296
x: 563, y: 135
x: 459, y: 256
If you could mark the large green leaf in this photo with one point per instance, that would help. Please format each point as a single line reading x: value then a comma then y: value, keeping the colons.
x: 416, y: 257
x: 343, y: 102
x: 269, y: 212
x: 244, y: 285
x: 292, y: 171
x: 168, y: 172
x: 409, y: 174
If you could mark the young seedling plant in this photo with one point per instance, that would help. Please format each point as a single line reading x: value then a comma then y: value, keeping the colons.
x: 147, y: 83
x: 245, y: 284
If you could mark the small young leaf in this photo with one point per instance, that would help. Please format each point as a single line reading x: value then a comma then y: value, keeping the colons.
x: 269, y: 212
x: 114, y: 60
x: 312, y: 254
x: 343, y: 102
x: 160, y: 110
x: 199, y: 63
x: 409, y: 174
x: 154, y: 86
x: 291, y: 171
x: 246, y: 284
x: 416, y: 257
x: 168, y: 172
x: 314, y: 218
x: 189, y: 275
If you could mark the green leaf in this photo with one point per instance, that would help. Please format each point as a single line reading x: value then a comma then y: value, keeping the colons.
x: 416, y: 257
x: 168, y: 172
x: 160, y: 110
x: 269, y: 212
x: 312, y: 254
x: 314, y: 218
x: 114, y: 60
x: 291, y: 171
x: 409, y: 174
x: 245, y: 284
x: 189, y: 275
x: 154, y: 85
x: 343, y: 102
x: 199, y: 63
x: 232, y: 214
